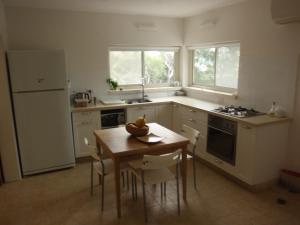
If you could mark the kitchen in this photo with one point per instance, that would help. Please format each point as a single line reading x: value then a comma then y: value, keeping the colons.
x: 269, y: 56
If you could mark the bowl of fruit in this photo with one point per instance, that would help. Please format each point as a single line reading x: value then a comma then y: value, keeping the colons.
x: 139, y: 128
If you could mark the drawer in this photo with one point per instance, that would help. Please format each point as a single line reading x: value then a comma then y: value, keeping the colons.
x: 194, y: 114
x: 196, y: 124
x: 221, y: 164
x: 90, y: 116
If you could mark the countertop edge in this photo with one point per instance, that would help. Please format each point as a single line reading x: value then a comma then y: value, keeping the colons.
x: 253, y: 121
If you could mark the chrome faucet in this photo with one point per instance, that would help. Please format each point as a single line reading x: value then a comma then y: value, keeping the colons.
x: 143, y: 90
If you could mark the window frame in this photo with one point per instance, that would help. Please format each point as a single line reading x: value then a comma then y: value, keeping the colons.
x: 215, y: 87
x: 176, y: 51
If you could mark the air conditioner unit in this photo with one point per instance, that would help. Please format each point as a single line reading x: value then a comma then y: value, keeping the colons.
x: 285, y: 11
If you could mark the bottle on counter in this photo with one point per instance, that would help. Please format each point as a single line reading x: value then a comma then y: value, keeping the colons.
x: 272, y: 109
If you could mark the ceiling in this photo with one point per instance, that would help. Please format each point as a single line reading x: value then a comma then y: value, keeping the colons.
x: 168, y: 8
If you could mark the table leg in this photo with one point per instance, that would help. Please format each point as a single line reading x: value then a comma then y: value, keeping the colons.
x: 117, y: 185
x: 184, y: 171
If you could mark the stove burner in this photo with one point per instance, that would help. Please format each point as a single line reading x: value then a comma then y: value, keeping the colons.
x: 238, y: 111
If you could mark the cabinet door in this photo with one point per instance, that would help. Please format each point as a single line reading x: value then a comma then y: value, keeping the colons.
x: 177, y: 118
x: 134, y: 112
x: 202, y: 141
x: 84, y: 124
x: 245, y: 149
x: 164, y: 115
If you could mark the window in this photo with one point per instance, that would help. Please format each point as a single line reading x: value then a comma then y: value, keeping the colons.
x: 216, y: 67
x: 154, y: 67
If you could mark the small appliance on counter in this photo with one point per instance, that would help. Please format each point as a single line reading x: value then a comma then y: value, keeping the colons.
x: 180, y: 93
x: 239, y: 111
x: 81, y: 99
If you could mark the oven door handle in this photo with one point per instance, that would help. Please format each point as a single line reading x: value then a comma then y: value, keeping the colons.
x: 223, y: 131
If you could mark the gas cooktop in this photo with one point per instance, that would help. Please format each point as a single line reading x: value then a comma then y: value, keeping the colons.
x: 238, y: 111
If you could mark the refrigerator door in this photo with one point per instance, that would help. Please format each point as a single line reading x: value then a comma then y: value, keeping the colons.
x: 44, y: 131
x: 37, y: 70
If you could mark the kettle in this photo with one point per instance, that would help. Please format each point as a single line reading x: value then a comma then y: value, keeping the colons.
x: 84, y: 95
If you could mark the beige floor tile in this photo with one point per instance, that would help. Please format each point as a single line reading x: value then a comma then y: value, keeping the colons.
x: 63, y: 198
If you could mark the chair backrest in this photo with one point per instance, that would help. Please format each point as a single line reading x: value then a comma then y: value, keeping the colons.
x: 190, y: 133
x: 93, y: 149
x: 154, y: 162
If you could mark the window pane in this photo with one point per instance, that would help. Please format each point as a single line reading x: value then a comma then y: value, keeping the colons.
x: 227, y: 66
x: 204, y: 66
x: 126, y: 66
x: 159, y: 67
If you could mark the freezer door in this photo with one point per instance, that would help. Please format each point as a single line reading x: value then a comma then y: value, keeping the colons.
x: 37, y: 70
x: 44, y: 130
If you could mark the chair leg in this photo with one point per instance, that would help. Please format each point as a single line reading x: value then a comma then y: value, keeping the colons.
x: 102, y: 193
x: 92, y: 177
x: 135, y: 188
x: 177, y: 184
x: 161, y: 191
x: 123, y: 179
x: 132, y: 186
x: 165, y: 189
x: 100, y: 179
x: 127, y: 180
x: 194, y: 170
x: 144, y: 197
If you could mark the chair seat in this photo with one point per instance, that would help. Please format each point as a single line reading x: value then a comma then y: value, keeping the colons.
x: 155, y: 176
x: 108, y: 166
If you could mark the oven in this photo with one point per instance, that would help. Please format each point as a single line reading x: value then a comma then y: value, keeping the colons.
x: 112, y: 118
x: 221, y: 138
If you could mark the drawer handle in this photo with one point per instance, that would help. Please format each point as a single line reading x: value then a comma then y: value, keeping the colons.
x: 191, y: 120
x: 192, y: 110
x: 40, y: 80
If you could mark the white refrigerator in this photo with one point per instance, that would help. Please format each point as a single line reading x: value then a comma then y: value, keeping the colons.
x: 41, y: 110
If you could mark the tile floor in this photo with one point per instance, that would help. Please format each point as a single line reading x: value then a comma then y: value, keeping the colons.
x: 63, y: 198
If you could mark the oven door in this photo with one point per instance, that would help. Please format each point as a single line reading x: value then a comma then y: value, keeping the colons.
x: 221, y: 144
x: 112, y: 118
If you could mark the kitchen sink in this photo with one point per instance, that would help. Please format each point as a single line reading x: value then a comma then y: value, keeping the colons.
x: 137, y: 100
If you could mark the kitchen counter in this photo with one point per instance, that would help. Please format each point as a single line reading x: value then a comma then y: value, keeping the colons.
x: 190, y: 102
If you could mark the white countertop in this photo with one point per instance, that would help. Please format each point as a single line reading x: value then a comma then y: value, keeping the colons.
x: 190, y: 102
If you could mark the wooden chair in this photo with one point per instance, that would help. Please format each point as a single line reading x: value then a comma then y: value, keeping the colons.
x: 103, y: 167
x: 193, y: 135
x: 154, y: 170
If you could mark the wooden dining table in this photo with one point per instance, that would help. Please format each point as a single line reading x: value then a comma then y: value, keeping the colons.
x: 122, y: 147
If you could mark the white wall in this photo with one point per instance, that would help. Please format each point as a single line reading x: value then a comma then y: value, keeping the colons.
x: 268, y: 62
x: 8, y: 149
x: 269, y: 52
x: 86, y: 38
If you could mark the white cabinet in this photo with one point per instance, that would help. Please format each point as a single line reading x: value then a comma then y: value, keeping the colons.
x: 260, y: 152
x: 164, y: 115
x: 84, y: 124
x: 161, y: 113
x: 177, y: 123
x: 137, y: 111
x: 245, y: 149
x: 194, y: 118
